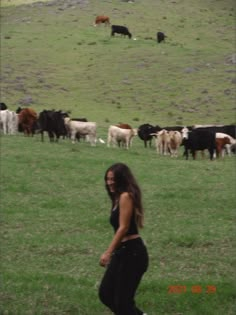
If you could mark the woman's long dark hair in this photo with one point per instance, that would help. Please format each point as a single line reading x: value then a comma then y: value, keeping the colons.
x: 124, y: 181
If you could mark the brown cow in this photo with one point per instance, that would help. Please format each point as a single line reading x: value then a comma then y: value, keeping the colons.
x: 220, y: 144
x: 123, y: 126
x: 27, y: 119
x: 102, y: 19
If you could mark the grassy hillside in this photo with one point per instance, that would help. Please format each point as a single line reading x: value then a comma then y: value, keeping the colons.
x: 53, y: 57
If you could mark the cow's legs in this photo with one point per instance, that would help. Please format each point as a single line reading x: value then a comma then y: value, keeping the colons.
x: 211, y: 151
x: 42, y: 136
x: 73, y: 136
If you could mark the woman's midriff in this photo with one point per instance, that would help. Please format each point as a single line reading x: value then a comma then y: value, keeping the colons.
x: 130, y: 237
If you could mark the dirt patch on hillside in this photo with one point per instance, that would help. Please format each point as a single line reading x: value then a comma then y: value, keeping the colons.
x: 61, y: 3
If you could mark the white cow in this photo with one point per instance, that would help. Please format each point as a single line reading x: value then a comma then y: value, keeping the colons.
x: 162, y: 141
x: 175, y: 140
x: 12, y: 123
x: 168, y: 142
x: 118, y: 135
x: 88, y: 129
x: 8, y: 122
x: 4, y: 117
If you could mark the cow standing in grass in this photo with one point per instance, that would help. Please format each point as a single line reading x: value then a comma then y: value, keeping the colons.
x: 88, y: 129
x: 118, y: 29
x: 161, y: 37
x: 102, y: 19
x: 52, y: 122
x: 27, y: 120
x: 118, y: 135
x: 175, y: 140
x: 145, y: 133
x: 124, y: 126
x: 198, y: 140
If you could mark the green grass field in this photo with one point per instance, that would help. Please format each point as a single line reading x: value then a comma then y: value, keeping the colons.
x: 54, y: 227
x: 54, y: 208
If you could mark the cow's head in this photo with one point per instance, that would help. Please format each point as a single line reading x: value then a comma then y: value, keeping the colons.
x: 184, y: 133
x: 67, y: 120
x: 135, y: 131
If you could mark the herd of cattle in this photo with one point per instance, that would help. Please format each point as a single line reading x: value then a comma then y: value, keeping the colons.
x: 122, y: 30
x: 216, y: 139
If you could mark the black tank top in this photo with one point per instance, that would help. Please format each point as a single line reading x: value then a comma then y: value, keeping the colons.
x: 114, y: 220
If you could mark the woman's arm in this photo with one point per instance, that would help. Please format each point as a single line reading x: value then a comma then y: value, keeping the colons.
x: 126, y: 209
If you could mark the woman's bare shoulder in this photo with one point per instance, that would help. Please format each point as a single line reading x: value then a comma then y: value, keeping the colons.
x: 125, y: 196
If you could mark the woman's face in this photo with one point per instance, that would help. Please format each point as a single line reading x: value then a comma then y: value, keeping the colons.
x: 110, y: 181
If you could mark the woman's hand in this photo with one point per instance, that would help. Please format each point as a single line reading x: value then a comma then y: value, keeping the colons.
x: 105, y: 259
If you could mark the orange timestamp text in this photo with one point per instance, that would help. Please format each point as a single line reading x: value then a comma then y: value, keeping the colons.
x: 195, y: 289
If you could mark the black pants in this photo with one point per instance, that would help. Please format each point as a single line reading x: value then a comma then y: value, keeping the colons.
x: 122, y: 277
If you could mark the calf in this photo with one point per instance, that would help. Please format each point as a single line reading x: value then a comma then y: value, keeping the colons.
x: 228, y: 146
x: 168, y: 142
x: 123, y: 30
x: 162, y: 141
x: 175, y: 140
x: 220, y: 144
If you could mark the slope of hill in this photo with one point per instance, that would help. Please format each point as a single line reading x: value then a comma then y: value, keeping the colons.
x: 53, y: 57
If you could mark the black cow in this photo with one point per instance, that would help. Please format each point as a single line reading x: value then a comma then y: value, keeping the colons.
x: 52, y: 122
x: 198, y: 139
x: 145, y: 131
x: 228, y: 129
x: 3, y: 106
x: 123, y: 30
x: 160, y: 37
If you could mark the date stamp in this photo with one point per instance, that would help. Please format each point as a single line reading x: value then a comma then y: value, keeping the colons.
x: 194, y: 289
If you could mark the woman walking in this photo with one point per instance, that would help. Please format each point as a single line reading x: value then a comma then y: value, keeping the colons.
x: 126, y: 258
